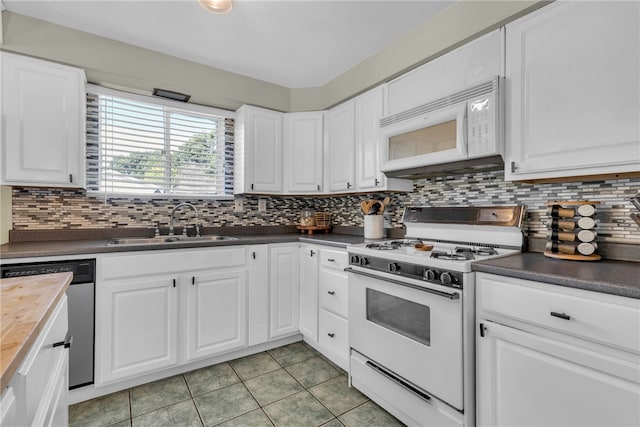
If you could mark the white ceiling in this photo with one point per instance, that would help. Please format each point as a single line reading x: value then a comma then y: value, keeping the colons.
x: 295, y: 43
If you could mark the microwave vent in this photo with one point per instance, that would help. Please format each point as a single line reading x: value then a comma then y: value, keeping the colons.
x: 483, y: 164
x: 485, y: 88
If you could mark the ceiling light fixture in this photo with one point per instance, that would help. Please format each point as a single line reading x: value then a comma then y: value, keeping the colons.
x: 217, y: 6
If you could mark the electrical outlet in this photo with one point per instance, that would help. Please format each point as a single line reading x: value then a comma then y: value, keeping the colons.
x: 238, y: 204
x: 262, y: 205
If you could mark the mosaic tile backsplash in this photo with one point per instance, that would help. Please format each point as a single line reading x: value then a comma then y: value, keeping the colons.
x: 48, y: 208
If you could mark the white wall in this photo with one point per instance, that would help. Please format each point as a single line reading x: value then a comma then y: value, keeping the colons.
x: 117, y: 64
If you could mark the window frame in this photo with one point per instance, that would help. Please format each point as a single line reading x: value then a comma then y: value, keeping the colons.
x: 176, y: 106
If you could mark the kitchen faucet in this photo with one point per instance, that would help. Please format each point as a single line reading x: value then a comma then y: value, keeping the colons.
x: 171, y: 218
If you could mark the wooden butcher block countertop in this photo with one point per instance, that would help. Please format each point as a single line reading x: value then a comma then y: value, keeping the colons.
x: 26, y: 305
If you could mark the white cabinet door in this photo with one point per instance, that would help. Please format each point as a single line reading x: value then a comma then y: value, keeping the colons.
x: 572, y: 71
x: 136, y: 325
x: 43, y: 113
x: 340, y: 148
x: 284, y: 286
x: 258, y: 293
x: 470, y: 64
x: 524, y: 379
x: 368, y: 112
x: 302, y: 149
x: 258, y: 151
x: 309, y: 256
x: 216, y: 314
x: 8, y: 411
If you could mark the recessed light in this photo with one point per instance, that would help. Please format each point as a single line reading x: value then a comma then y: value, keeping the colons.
x: 217, y: 6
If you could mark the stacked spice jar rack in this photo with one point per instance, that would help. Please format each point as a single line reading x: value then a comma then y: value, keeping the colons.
x: 572, y: 231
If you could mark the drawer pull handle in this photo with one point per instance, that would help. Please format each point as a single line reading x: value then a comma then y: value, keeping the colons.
x: 331, y: 292
x: 331, y: 259
x: 331, y: 335
x: 560, y: 315
x: 66, y: 343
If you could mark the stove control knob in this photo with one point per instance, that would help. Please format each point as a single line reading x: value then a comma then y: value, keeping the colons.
x: 394, y: 266
x: 355, y: 259
x: 364, y: 261
x: 445, y: 278
x: 430, y: 275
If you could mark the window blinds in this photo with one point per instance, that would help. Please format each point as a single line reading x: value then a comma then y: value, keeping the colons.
x: 138, y: 145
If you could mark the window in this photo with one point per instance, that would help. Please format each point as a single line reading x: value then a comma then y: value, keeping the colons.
x: 141, y: 145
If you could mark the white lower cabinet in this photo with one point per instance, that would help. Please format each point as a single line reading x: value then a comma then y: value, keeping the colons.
x: 333, y: 326
x: 309, y: 261
x: 548, y: 355
x: 284, y: 289
x: 37, y: 393
x: 216, y: 313
x: 137, y: 322
x: 192, y: 307
x: 258, y: 293
x: 8, y: 411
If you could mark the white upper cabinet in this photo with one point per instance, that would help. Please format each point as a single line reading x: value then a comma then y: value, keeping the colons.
x: 340, y: 148
x: 473, y: 63
x: 353, y: 144
x: 573, y: 91
x: 367, y: 131
x: 302, y: 150
x: 43, y: 105
x: 258, y: 151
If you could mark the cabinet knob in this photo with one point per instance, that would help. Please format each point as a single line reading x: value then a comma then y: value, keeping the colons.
x: 312, y: 253
x: 348, y: 184
x: 331, y: 334
x: 71, y: 178
x: 331, y: 292
x: 253, y: 255
x: 376, y: 182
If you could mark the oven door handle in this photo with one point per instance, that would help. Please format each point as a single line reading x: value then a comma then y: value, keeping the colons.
x: 451, y: 296
x: 421, y: 394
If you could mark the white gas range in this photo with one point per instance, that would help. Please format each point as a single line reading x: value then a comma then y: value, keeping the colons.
x: 411, y: 310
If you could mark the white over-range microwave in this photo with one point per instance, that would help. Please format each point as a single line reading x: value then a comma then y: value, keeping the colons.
x: 460, y: 133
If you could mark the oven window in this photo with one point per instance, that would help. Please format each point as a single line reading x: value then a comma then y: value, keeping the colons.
x: 427, y: 140
x: 399, y: 315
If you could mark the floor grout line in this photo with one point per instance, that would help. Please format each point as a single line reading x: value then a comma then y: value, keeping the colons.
x: 282, y: 364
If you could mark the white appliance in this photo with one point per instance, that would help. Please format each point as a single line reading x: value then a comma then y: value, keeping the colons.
x: 411, y: 311
x: 458, y: 133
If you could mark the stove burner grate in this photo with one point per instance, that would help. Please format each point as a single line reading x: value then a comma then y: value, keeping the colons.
x: 483, y: 250
x: 453, y: 256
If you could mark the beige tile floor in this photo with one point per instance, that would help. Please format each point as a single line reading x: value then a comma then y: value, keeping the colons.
x: 287, y: 386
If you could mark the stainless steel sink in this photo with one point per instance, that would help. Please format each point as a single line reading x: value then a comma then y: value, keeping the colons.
x: 166, y: 239
x: 210, y: 238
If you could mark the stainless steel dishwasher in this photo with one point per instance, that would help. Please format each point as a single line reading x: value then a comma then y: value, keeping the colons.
x: 81, y: 299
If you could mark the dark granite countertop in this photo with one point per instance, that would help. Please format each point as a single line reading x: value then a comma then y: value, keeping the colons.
x: 606, y: 276
x: 28, y: 249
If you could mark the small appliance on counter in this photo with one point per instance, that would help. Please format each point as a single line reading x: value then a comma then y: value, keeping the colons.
x: 572, y: 233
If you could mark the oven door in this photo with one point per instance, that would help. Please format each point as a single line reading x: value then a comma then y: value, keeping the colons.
x: 413, y: 330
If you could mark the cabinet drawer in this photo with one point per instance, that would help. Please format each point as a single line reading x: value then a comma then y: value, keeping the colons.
x: 334, y: 338
x: 169, y: 261
x: 334, y: 292
x: 36, y: 371
x: 608, y: 319
x: 333, y: 258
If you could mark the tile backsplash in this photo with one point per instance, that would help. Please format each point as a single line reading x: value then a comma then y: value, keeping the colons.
x: 54, y: 208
